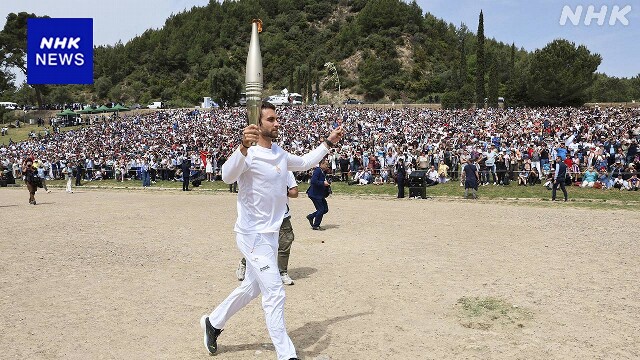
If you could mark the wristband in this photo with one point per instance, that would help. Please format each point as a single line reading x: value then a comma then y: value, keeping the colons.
x: 246, y: 147
x: 329, y: 143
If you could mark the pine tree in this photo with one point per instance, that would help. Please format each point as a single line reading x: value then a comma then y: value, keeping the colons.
x: 480, y: 66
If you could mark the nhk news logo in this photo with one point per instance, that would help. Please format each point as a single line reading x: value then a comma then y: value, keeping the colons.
x: 59, y: 51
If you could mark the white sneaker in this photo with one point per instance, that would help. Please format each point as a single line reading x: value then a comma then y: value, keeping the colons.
x: 286, y: 279
x: 240, y: 271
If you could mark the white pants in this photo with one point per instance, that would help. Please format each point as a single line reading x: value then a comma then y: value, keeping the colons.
x: 262, y: 276
x: 69, y: 184
x: 588, y: 183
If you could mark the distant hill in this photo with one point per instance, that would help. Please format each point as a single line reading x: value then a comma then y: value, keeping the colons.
x: 384, y: 51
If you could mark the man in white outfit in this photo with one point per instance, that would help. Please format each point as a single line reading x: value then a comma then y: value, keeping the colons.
x: 285, y: 238
x: 261, y: 172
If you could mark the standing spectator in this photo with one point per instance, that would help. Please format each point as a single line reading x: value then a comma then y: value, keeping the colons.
x: 67, y: 171
x: 401, y: 173
x: 42, y: 174
x: 501, y: 170
x: 144, y: 172
x: 343, y: 162
x: 79, y: 172
x: 423, y: 161
x: 90, y: 165
x: 153, y: 170
x: 209, y: 169
x: 186, y: 172
x: 471, y: 176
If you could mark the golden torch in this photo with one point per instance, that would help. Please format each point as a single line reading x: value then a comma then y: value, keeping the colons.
x: 253, y: 76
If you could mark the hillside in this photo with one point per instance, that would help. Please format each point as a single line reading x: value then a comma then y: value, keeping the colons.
x: 384, y: 51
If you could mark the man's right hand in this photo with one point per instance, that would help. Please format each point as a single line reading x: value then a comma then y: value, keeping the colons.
x: 250, y: 135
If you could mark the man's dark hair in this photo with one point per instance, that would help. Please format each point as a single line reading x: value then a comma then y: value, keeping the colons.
x: 265, y: 105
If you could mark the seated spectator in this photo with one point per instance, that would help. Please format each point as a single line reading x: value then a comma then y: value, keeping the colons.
x: 357, y: 176
x: 378, y: 180
x: 620, y: 183
x: 523, y: 177
x: 432, y: 176
x: 549, y: 180
x: 589, y: 178
x: 178, y: 175
x: 443, y: 170
x: 603, y: 181
x: 534, y: 177
x: 634, y: 182
x: 366, y: 178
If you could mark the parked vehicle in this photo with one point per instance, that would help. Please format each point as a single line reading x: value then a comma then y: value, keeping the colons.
x: 285, y: 99
x: 156, y: 105
x: 9, y: 105
x: 352, y: 101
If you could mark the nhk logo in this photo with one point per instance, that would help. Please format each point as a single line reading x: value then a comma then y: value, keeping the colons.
x: 53, y: 59
x: 60, y: 51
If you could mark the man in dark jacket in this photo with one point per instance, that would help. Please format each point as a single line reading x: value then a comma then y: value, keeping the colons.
x: 559, y: 178
x: 79, y: 172
x: 186, y: 172
x: 318, y: 193
x: 343, y: 162
x: 401, y: 173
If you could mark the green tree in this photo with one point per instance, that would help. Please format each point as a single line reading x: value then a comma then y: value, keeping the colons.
x: 6, y: 84
x: 462, y: 62
x: 480, y: 62
x: 60, y: 95
x: 13, y: 46
x: 225, y: 85
x: 494, y: 82
x: 25, y: 95
x: 610, y: 89
x: 560, y: 74
x: 102, y: 87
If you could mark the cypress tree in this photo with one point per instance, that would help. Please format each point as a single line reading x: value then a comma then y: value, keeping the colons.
x: 480, y: 66
x: 494, y: 81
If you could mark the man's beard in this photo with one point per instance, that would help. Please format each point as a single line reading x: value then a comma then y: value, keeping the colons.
x: 273, y: 135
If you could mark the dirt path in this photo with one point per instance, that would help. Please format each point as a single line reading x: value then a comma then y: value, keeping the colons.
x: 127, y: 275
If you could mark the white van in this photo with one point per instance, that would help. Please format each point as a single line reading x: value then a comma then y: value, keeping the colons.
x: 9, y: 105
x: 156, y: 105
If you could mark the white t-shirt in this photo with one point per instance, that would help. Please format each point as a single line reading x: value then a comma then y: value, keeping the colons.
x: 262, y: 184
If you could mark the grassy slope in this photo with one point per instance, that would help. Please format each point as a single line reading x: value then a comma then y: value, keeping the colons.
x: 593, y: 198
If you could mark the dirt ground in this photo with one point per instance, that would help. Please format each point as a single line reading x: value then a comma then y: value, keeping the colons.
x: 128, y: 274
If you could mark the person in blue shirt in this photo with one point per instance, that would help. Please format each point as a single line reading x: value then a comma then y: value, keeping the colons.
x: 318, y: 194
x: 561, y: 151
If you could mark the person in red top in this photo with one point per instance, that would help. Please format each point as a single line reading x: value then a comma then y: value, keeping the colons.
x: 568, y: 161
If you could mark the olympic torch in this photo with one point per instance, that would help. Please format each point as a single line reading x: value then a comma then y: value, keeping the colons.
x: 253, y: 76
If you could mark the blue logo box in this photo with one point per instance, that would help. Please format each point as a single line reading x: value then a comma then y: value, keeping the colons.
x: 59, y: 51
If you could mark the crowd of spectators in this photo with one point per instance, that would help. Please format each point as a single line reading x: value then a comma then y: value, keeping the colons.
x: 600, y: 146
